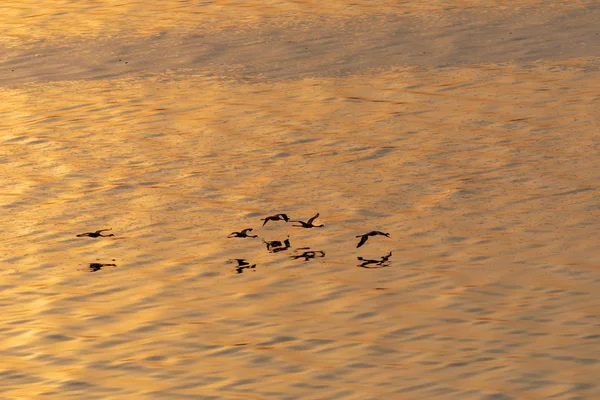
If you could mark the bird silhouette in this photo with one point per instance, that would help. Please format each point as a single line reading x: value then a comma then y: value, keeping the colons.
x: 242, y: 234
x: 365, y: 237
x: 309, y: 223
x: 96, y: 234
x: 276, y: 217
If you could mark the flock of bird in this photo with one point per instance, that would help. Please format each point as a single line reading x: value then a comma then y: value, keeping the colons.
x: 274, y: 246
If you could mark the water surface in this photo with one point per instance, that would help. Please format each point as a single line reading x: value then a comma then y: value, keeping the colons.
x: 467, y: 130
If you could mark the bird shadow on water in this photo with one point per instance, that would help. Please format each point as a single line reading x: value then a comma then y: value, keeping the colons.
x: 276, y: 246
x: 242, y: 265
x: 373, y: 264
x: 308, y: 254
x: 96, y: 234
x: 95, y: 267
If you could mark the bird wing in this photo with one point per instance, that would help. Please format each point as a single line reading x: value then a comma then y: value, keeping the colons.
x: 285, y: 217
x: 363, y: 239
x: 313, y: 218
x: 103, y: 230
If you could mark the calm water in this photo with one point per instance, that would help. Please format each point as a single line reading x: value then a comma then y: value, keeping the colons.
x: 468, y: 130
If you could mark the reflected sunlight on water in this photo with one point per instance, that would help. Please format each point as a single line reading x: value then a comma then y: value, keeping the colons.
x: 484, y: 174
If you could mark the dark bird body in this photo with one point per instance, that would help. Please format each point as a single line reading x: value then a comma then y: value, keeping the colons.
x: 242, y: 234
x: 363, y: 238
x: 276, y: 217
x: 96, y: 234
x: 309, y: 223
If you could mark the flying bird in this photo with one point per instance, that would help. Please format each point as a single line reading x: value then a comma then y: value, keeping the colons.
x: 98, y: 233
x: 309, y: 223
x: 363, y: 238
x: 276, y: 217
x: 242, y: 234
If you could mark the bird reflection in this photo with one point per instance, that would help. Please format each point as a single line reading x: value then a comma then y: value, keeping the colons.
x: 242, y: 265
x: 98, y: 266
x: 275, y: 246
x: 307, y: 255
x: 377, y: 263
x: 242, y: 234
x: 96, y: 234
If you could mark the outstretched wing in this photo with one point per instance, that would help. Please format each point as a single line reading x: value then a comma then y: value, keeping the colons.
x: 312, y: 219
x: 103, y: 230
x: 285, y: 217
x: 246, y: 230
x: 363, y: 239
x: 266, y: 220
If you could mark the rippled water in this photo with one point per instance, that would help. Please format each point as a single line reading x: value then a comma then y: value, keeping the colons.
x: 467, y: 130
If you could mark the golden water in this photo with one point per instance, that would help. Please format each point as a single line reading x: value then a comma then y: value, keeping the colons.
x: 468, y: 130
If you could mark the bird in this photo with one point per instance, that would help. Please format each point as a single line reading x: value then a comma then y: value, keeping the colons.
x: 363, y: 238
x: 96, y: 234
x: 242, y: 234
x: 309, y: 223
x: 276, y: 217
